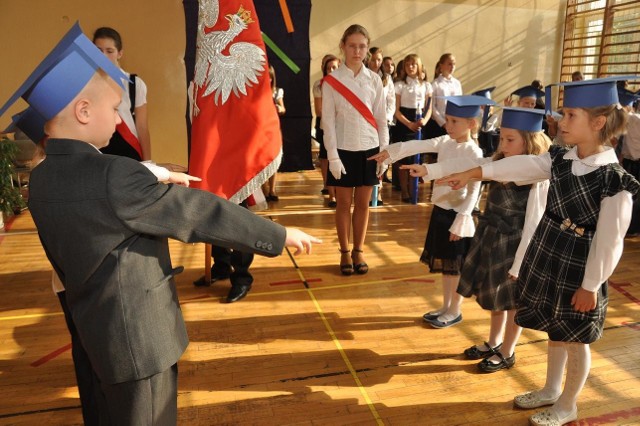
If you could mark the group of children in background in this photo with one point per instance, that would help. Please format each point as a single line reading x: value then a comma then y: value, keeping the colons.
x: 535, y: 259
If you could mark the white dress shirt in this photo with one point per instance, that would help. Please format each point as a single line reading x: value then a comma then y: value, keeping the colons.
x: 443, y: 86
x: 390, y: 100
x: 461, y: 201
x: 613, y: 219
x: 413, y: 93
x: 344, y: 127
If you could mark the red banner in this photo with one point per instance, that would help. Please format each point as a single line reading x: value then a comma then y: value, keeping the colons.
x: 236, y: 143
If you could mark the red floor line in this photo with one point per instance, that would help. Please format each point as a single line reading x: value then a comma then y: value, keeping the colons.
x: 609, y: 417
x: 51, y: 356
x: 619, y: 287
x: 421, y: 280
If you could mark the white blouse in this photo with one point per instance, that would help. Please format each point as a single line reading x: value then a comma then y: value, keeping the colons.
x: 613, y: 219
x: 462, y: 201
x: 344, y: 127
x: 413, y: 93
x: 443, y: 87
x: 390, y: 100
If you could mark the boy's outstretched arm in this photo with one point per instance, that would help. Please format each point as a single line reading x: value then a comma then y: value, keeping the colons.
x: 300, y: 240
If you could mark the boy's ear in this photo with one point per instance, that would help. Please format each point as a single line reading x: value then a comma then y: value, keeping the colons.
x: 82, y: 110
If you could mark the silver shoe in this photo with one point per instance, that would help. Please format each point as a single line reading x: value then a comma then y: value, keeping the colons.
x: 533, y: 400
x: 549, y: 417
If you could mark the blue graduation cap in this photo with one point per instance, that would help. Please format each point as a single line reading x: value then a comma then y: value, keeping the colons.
x: 465, y: 106
x: 525, y: 119
x: 528, y: 92
x: 30, y: 122
x: 63, y: 74
x: 627, y: 97
x: 589, y: 93
x: 484, y: 92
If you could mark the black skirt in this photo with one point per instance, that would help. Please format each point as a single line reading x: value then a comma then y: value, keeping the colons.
x: 439, y: 253
x: 322, y: 154
x: 360, y: 171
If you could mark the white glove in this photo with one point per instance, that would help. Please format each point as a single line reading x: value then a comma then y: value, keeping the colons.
x: 336, y: 168
x: 381, y: 168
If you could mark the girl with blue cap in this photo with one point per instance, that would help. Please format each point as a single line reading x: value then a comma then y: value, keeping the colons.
x: 451, y: 226
x: 578, y: 242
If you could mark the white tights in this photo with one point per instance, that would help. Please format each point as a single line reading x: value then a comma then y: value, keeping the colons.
x: 577, y: 358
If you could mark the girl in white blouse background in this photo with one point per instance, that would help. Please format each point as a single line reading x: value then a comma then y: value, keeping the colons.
x: 350, y: 139
x: 444, y: 84
x: 412, y: 96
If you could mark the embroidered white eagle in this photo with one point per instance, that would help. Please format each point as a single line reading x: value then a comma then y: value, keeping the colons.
x: 223, y: 74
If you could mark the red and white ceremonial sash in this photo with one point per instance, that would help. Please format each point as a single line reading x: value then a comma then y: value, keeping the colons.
x: 352, y: 99
x: 129, y: 137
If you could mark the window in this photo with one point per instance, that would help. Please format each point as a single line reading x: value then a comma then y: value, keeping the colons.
x: 602, y: 38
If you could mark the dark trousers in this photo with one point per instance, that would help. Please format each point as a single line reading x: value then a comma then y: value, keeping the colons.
x: 232, y: 262
x: 83, y: 369
x: 149, y: 401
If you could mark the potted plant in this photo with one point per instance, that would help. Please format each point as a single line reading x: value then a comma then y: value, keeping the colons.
x: 10, y: 198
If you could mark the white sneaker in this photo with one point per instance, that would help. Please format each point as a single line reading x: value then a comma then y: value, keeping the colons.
x: 549, y: 417
x: 533, y: 400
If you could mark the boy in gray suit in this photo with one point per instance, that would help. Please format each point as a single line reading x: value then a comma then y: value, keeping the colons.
x: 104, y: 222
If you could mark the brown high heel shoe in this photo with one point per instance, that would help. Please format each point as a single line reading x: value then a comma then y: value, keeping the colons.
x: 346, y: 268
x: 360, y: 268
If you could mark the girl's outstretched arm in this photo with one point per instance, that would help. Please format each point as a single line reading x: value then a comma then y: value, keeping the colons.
x: 460, y: 180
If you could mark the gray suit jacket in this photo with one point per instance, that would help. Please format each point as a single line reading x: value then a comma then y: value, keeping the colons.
x: 104, y: 222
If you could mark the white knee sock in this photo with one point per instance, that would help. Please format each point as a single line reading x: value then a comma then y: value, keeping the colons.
x: 498, y: 319
x: 556, y: 361
x: 449, y: 286
x: 511, y: 334
x: 578, y: 366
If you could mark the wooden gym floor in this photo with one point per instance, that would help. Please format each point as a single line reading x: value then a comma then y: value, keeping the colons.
x: 311, y: 347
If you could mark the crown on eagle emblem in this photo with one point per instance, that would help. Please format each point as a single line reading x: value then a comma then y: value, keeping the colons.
x: 245, y: 15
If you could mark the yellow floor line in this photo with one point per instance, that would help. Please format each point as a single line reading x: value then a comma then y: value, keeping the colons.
x: 343, y: 354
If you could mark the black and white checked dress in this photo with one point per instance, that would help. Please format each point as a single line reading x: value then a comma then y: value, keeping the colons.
x: 485, y: 272
x: 554, y: 263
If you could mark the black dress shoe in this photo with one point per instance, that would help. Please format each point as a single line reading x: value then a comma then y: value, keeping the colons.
x: 237, y: 292
x: 202, y: 282
x: 487, y: 366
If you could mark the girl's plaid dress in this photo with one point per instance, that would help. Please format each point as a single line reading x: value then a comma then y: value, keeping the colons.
x: 485, y: 273
x: 554, y: 263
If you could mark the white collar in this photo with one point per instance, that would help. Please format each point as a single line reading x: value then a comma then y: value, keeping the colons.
x: 608, y: 156
x: 364, y: 71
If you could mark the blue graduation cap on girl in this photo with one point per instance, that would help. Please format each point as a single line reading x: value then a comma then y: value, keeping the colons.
x: 627, y: 97
x: 63, y: 74
x: 30, y: 122
x: 484, y: 92
x: 528, y: 92
x: 589, y: 93
x: 525, y: 119
x: 467, y: 106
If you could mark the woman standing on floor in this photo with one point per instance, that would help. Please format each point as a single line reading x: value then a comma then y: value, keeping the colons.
x: 355, y: 128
